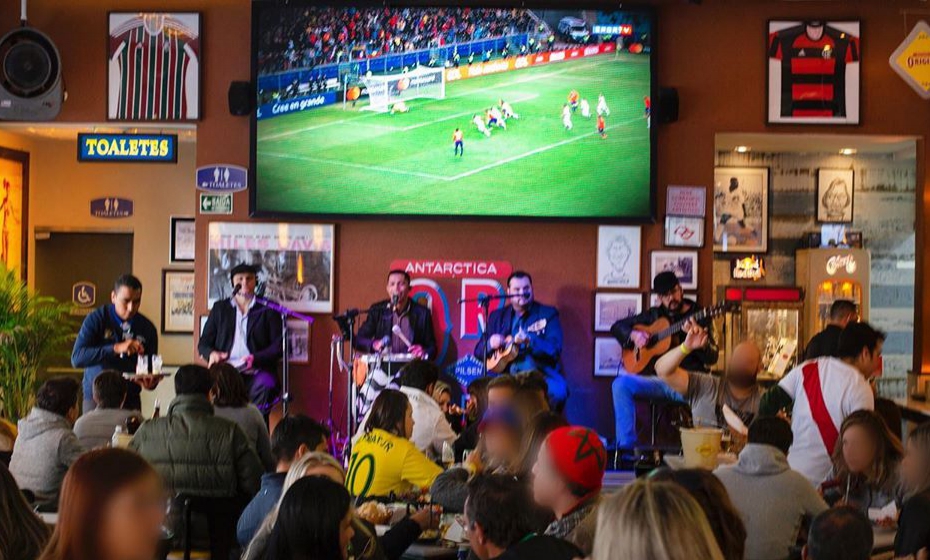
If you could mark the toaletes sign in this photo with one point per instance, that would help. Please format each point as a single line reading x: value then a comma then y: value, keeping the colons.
x: 127, y: 148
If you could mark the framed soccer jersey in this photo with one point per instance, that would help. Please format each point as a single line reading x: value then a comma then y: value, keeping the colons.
x: 814, y: 72
x: 153, y: 63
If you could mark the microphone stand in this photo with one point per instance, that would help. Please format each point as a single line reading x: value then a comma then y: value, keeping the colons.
x: 285, y: 367
x: 484, y: 302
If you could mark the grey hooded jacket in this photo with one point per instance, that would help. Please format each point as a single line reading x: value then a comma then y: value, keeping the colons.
x: 45, y: 448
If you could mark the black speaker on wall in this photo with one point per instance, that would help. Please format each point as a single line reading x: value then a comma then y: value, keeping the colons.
x: 667, y: 109
x: 240, y: 98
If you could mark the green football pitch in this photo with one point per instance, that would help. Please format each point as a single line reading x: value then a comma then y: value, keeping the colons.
x: 349, y: 161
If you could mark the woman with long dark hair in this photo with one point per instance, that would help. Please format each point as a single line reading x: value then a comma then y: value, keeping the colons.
x: 231, y: 401
x: 314, y: 522
x: 112, y: 507
x: 22, y: 533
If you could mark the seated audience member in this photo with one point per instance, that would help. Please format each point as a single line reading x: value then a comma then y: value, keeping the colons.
x: 231, y: 401
x: 725, y: 521
x: 567, y: 479
x: 841, y: 533
x: 824, y: 343
x: 772, y: 499
x: 314, y: 521
x: 824, y: 392
x: 202, y: 456
x: 7, y: 439
x: 502, y: 390
x: 650, y: 520
x: 365, y: 544
x: 475, y: 406
x: 866, y: 464
x: 535, y: 433
x: 531, y: 396
x: 384, y: 460
x: 112, y: 508
x: 913, y: 534
x: 496, y: 516
x: 431, y: 429
x: 22, y: 534
x: 95, y: 428
x: 707, y: 393
x: 293, y: 437
x: 46, y: 445
x: 442, y: 394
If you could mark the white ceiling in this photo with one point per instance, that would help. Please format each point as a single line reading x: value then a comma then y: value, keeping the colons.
x: 900, y: 146
x: 69, y: 131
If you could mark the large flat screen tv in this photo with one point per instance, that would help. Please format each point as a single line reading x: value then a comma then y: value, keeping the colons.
x: 453, y: 111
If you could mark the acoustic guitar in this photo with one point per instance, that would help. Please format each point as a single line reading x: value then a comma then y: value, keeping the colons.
x: 503, y: 357
x: 660, y: 332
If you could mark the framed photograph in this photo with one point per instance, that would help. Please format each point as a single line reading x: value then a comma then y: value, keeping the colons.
x: 619, y: 249
x: 177, y: 301
x: 684, y: 231
x: 813, y: 72
x: 610, y: 308
x: 295, y: 261
x: 182, y: 240
x: 741, y: 209
x: 153, y: 63
x: 835, y: 196
x: 607, y: 357
x: 298, y: 341
x: 14, y: 210
x: 683, y: 263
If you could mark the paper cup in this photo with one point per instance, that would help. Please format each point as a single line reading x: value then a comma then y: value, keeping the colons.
x: 700, y: 447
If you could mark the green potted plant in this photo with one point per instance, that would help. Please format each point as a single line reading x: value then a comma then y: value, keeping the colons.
x: 32, y: 328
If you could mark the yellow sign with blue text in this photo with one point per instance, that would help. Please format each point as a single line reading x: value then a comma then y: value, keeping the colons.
x: 911, y: 60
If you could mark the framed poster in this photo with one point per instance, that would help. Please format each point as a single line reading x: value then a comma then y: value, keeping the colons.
x: 619, y: 250
x: 153, y: 61
x: 182, y: 247
x: 298, y: 341
x: 813, y: 72
x: 835, y: 196
x: 683, y: 263
x: 684, y: 231
x: 610, y: 308
x: 686, y: 201
x: 608, y: 356
x: 741, y: 209
x: 177, y: 301
x: 295, y: 261
x: 14, y: 209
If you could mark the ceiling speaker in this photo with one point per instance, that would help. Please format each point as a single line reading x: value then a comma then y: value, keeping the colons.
x: 30, y: 76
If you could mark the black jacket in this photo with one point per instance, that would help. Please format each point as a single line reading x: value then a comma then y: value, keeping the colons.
x: 824, y: 343
x: 380, y: 321
x: 696, y: 361
x: 913, y: 525
x: 263, y: 334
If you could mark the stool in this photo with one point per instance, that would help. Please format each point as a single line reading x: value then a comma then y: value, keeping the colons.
x: 222, y: 515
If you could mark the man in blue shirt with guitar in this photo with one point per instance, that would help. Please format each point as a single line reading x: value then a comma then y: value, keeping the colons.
x: 525, y: 336
x: 643, y: 345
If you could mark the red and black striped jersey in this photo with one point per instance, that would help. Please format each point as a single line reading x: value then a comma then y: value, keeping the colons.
x: 152, y: 71
x: 814, y: 59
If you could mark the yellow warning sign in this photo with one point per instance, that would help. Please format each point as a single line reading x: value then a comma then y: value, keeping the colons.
x: 911, y: 60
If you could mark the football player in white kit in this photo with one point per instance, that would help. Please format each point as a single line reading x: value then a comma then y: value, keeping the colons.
x: 585, y: 108
x: 602, y: 108
x: 566, y: 117
x: 482, y: 128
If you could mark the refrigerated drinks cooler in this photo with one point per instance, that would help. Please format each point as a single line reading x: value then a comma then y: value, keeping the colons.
x: 772, y: 317
x: 831, y: 274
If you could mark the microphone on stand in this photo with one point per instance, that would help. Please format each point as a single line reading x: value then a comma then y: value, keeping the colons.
x: 393, y: 304
x: 236, y: 289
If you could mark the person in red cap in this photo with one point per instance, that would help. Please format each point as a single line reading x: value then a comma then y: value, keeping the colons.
x: 567, y: 479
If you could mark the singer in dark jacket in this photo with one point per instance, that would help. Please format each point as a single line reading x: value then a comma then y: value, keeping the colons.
x: 391, y: 321
x: 246, y: 334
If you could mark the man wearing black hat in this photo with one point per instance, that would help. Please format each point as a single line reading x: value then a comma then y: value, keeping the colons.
x: 247, y: 335
x: 627, y: 386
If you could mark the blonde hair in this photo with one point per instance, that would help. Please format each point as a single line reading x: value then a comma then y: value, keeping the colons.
x: 652, y: 520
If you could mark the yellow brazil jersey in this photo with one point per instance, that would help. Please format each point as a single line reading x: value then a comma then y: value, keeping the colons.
x: 382, y: 463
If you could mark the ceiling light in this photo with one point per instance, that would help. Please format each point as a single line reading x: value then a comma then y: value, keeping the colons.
x: 848, y: 151
x: 742, y: 149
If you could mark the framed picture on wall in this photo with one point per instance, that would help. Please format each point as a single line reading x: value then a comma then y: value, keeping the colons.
x: 683, y: 263
x: 607, y: 357
x: 610, y: 308
x: 813, y: 72
x: 177, y: 301
x: 153, y: 66
x: 741, y: 209
x: 684, y: 231
x: 618, y: 256
x: 182, y: 246
x: 14, y: 209
x: 835, y: 196
x: 298, y: 341
x: 295, y: 261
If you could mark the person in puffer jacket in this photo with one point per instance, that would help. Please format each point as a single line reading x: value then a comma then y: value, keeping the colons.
x: 772, y: 498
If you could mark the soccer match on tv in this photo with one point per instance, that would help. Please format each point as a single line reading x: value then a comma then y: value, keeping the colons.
x: 453, y: 111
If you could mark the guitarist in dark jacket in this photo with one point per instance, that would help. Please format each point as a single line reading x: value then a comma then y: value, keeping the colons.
x: 627, y: 386
x: 412, y: 319
x: 246, y: 334
x: 535, y: 332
